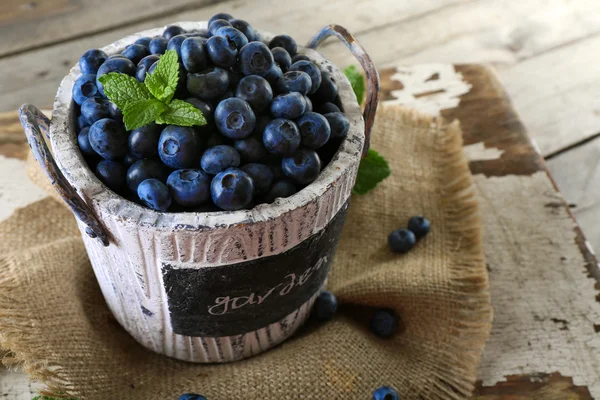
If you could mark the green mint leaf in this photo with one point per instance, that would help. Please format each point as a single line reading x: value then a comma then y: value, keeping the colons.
x: 139, y: 113
x: 372, y: 170
x: 163, y: 81
x: 357, y: 80
x: 181, y: 113
x: 122, y: 89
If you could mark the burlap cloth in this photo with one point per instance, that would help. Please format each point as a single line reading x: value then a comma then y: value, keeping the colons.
x: 54, y: 321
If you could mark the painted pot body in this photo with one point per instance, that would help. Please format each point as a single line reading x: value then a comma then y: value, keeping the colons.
x: 220, y: 286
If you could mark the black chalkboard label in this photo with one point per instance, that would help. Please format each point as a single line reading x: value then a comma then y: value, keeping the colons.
x: 239, y: 298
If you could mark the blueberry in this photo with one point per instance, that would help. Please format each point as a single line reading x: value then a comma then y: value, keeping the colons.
x: 221, y: 51
x: 282, y: 58
x: 233, y: 35
x: 219, y: 158
x: 251, y: 149
x: 144, y: 65
x: 214, y: 26
x: 172, y: 30
x: 277, y: 171
x: 401, y: 240
x: 256, y: 91
x: 223, y: 16
x: 303, y: 167
x: 135, y: 52
x: 309, y: 104
x: 208, y: 84
x: 234, y: 78
x: 215, y: 139
x: 299, y: 57
x: 274, y: 75
x: 290, y: 106
x: 283, y: 188
x: 198, y: 33
x: 112, y: 174
x: 285, y: 41
x: 313, y: 72
x: 191, y: 396
x: 205, y: 108
x: 158, y: 45
x: 119, y: 55
x: 281, y: 137
x: 327, y: 108
x: 294, y: 81
x: 325, y: 306
x: 384, y: 323
x: 261, y: 124
x: 385, y: 393
x: 95, y: 108
x: 118, y: 64
x: 234, y: 118
x: 189, y: 187
x: 256, y: 59
x: 83, y: 140
x: 419, y: 226
x: 314, y: 130
x: 232, y: 189
x: 91, y: 60
x: 145, y: 169
x: 328, y: 90
x: 115, y: 112
x: 129, y: 160
x: 179, y: 147
x: 81, y: 122
x: 108, y: 138
x: 84, y: 88
x: 143, y: 142
x: 339, y: 124
x: 144, y: 41
x: 175, y: 44
x: 261, y: 176
x: 245, y: 28
x: 154, y: 194
x: 193, y: 54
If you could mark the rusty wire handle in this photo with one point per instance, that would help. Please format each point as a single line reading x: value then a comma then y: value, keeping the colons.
x: 34, y: 121
x: 365, y: 61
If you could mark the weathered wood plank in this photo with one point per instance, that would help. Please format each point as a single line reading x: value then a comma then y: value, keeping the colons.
x: 28, y: 24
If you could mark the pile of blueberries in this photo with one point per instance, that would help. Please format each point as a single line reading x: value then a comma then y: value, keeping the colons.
x: 274, y: 120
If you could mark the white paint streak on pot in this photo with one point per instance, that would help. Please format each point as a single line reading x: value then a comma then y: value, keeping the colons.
x: 219, y: 286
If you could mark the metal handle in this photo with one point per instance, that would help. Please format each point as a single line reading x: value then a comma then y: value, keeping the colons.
x: 365, y: 61
x: 34, y: 121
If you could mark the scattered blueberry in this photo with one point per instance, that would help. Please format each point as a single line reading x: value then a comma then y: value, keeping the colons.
x: 108, y: 139
x: 303, y: 167
x: 384, y: 323
x: 233, y: 35
x: 251, y: 149
x: 285, y: 41
x: 219, y: 158
x: 129, y: 160
x: 175, y: 44
x: 144, y: 65
x: 314, y: 130
x: 112, y: 174
x: 245, y: 28
x: 311, y: 70
x: 154, y: 194
x: 281, y: 137
x: 289, y: 106
x: 191, y: 396
x: 208, y: 84
x: 419, y: 226
x: 135, y: 52
x: 118, y: 64
x: 179, y: 147
x: 81, y: 122
x: 232, y: 189
x: 234, y: 118
x: 234, y: 77
x: 282, y: 58
x: 327, y: 108
x: 256, y: 91
x: 158, y: 45
x: 274, y: 75
x: 277, y: 171
x: 193, y: 54
x: 214, y: 26
x: 172, y: 30
x: 204, y: 107
x: 200, y: 33
x: 256, y: 59
x: 309, y: 104
x: 143, y: 142
x: 221, y: 51
x: 223, y: 16
x: 83, y: 141
x: 91, y: 60
x: 84, y: 88
x: 325, y: 306
x: 95, y: 108
x: 261, y: 176
x: 282, y: 188
x: 294, y: 81
x: 328, y: 90
x: 385, y: 393
x: 115, y: 112
x: 189, y: 187
x: 145, y: 169
x: 339, y: 124
x: 401, y: 240
x: 299, y: 57
x: 144, y: 41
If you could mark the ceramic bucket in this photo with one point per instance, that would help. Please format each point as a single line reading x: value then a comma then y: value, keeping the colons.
x: 217, y: 286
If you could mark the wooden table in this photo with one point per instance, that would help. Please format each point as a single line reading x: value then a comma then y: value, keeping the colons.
x: 545, y: 342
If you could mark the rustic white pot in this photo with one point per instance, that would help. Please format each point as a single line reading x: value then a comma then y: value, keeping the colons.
x: 218, y: 286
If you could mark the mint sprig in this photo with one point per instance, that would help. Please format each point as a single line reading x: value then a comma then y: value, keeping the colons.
x: 373, y: 168
x: 152, y: 100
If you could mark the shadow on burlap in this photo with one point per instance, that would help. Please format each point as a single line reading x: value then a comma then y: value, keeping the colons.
x: 54, y: 320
